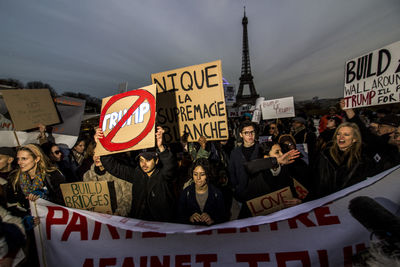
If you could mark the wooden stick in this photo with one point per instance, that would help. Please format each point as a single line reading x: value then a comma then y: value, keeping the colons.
x: 41, y: 239
x: 16, y: 137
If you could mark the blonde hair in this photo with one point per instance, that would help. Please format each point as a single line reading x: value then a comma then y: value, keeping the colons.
x: 354, y: 151
x: 43, y: 165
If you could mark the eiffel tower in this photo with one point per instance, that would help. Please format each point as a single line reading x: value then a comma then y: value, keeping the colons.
x: 246, y: 78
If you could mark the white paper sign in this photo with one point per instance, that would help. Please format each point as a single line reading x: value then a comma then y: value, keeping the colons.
x: 373, y: 78
x: 278, y: 108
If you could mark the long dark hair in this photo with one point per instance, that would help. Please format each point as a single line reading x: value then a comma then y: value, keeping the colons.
x: 204, y: 163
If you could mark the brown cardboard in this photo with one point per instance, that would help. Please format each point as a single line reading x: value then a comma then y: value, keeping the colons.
x: 93, y: 196
x: 269, y: 203
x: 199, y: 99
x: 140, y: 122
x: 29, y: 107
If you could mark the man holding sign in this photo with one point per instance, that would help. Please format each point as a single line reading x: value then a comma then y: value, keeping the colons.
x: 152, y: 194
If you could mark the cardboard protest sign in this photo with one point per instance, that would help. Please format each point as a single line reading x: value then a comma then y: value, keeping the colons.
x: 270, y: 202
x: 167, y: 116
x: 233, y: 112
x: 278, y: 108
x: 93, y: 196
x: 200, y: 100
x: 71, y: 111
x: 373, y: 78
x: 265, y: 138
x: 301, y: 191
x: 29, y: 107
x: 128, y: 121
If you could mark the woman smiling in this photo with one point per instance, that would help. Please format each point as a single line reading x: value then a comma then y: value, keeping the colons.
x: 35, y: 177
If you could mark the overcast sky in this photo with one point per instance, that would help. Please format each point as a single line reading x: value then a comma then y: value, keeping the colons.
x: 297, y: 47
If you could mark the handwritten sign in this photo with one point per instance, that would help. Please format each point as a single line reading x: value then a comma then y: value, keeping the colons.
x: 71, y: 111
x: 167, y: 116
x: 127, y: 121
x: 199, y: 98
x: 29, y: 107
x: 278, y: 108
x: 373, y: 78
x: 269, y: 203
x: 93, y: 196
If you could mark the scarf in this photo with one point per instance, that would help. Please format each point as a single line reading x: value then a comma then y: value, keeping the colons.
x: 32, y: 186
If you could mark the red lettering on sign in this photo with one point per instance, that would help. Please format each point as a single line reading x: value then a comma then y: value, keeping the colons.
x: 283, y: 257
x: 322, y: 219
x: 97, y: 229
x: 253, y: 229
x: 128, y: 262
x: 348, y: 254
x: 129, y: 234
x: 152, y: 234
x: 206, y: 259
x: 88, y: 263
x: 323, y: 258
x: 50, y: 220
x: 180, y: 260
x: 107, y: 262
x: 73, y: 226
x: 226, y: 231
x: 273, y: 226
x: 154, y: 261
x: 252, y: 259
x: 303, y: 219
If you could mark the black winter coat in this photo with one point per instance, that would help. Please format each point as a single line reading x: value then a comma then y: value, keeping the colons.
x: 152, y: 197
x: 330, y: 177
x: 238, y: 176
x: 214, y: 205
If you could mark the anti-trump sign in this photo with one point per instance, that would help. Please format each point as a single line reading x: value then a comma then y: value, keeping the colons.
x: 127, y: 121
x: 278, y: 108
x: 199, y: 100
x: 373, y: 78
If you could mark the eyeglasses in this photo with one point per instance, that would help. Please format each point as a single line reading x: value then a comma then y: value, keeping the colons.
x: 272, y: 128
x: 57, y: 152
x: 249, y: 133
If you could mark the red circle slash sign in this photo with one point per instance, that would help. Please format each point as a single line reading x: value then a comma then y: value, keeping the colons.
x: 143, y: 95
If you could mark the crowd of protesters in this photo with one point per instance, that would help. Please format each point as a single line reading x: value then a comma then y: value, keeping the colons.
x: 200, y: 182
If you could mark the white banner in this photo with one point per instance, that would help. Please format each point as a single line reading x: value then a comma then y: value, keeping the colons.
x: 317, y: 233
x: 278, y: 108
x: 373, y: 78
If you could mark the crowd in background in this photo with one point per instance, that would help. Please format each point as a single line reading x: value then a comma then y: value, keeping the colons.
x: 203, y: 182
